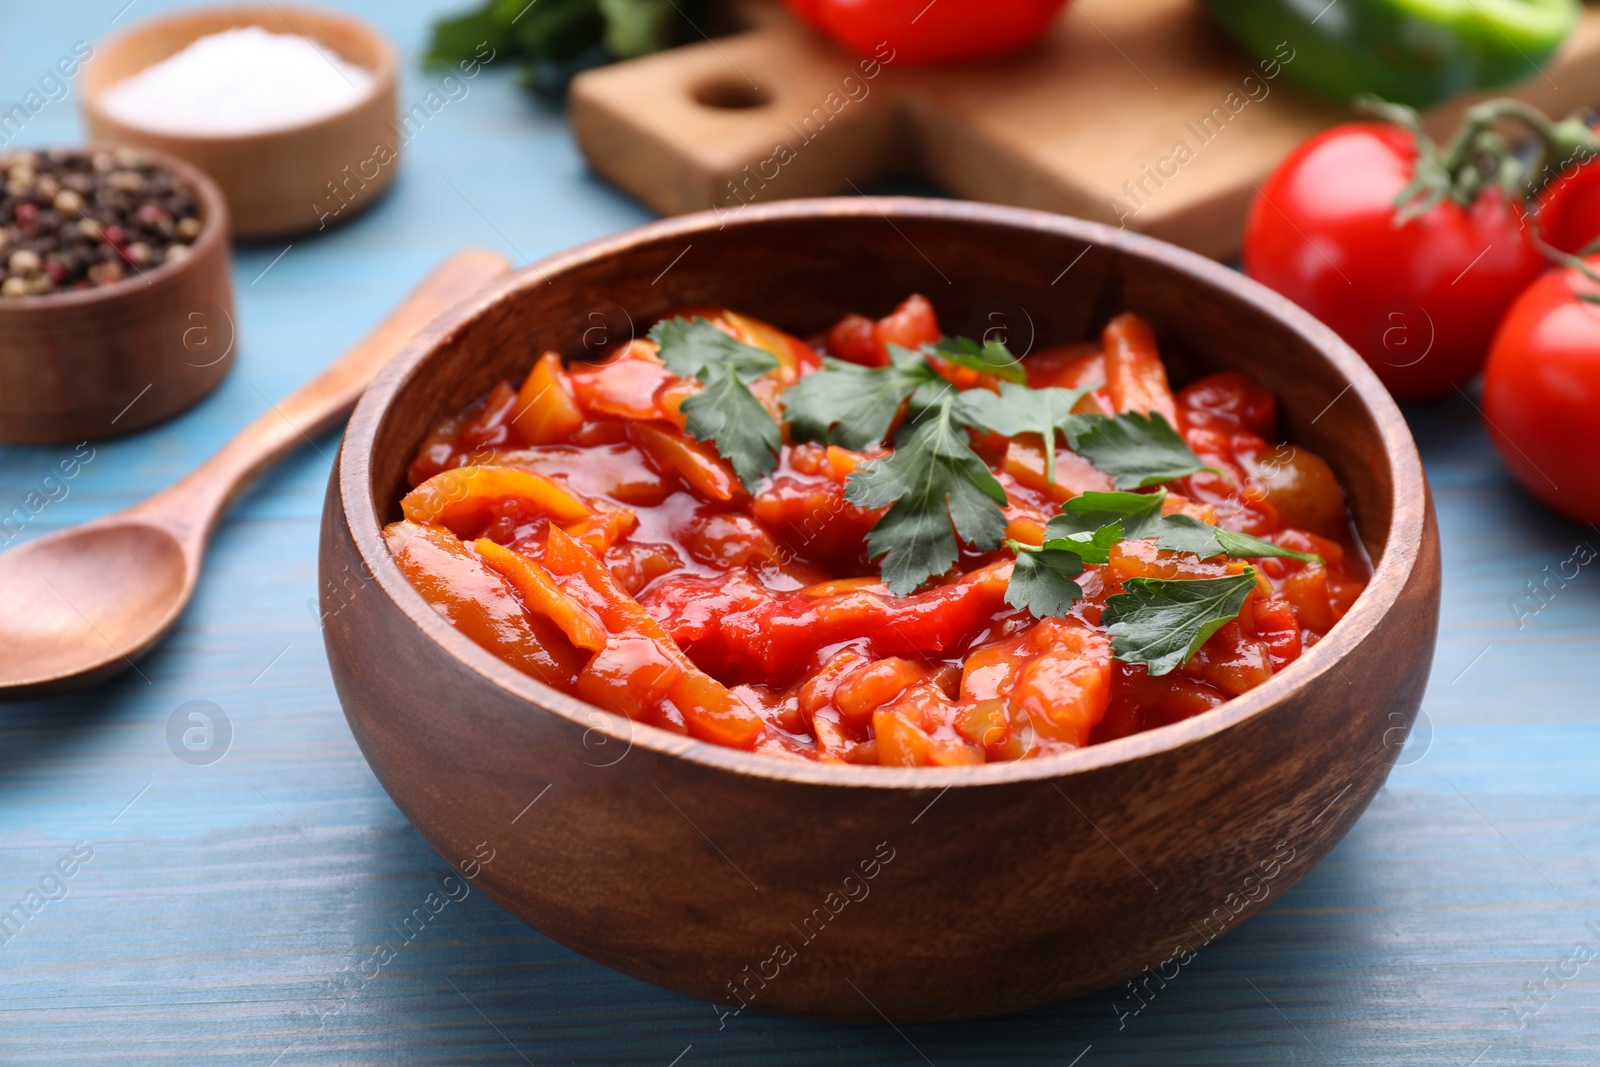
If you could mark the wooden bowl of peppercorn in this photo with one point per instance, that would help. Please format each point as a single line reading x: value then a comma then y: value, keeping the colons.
x: 863, y: 892
x: 116, y: 306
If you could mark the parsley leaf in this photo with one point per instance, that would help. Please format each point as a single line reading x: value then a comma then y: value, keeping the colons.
x: 1192, y: 536
x: 690, y: 347
x: 1161, y: 622
x: 725, y: 411
x: 1243, y: 546
x: 938, y: 488
x: 1041, y: 579
x: 1088, y: 526
x: 853, y: 406
x: 1096, y: 521
x: 1139, y: 513
x: 1136, y: 450
x: 1182, y: 533
x: 1093, y: 546
x: 1018, y: 409
x: 991, y: 357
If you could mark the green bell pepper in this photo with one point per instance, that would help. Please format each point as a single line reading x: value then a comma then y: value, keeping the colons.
x: 1416, y: 52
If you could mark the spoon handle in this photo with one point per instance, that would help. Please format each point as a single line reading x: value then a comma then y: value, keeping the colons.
x: 189, y: 507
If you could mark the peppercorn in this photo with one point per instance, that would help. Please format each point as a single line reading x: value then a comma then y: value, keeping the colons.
x: 72, y: 219
x: 105, y: 273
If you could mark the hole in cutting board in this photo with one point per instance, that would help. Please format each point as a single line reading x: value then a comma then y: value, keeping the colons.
x: 725, y: 94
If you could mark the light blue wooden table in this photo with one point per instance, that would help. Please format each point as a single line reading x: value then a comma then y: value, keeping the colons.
x: 222, y: 906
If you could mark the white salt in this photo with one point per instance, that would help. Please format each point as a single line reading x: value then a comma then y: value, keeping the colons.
x: 239, y: 81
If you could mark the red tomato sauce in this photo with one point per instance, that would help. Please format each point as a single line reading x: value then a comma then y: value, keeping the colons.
x: 573, y: 528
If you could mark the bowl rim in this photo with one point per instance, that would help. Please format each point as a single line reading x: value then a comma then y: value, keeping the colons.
x: 214, y: 231
x: 241, y: 15
x: 1400, y: 551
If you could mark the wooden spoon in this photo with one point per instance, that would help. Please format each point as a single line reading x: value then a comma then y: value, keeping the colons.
x: 80, y: 605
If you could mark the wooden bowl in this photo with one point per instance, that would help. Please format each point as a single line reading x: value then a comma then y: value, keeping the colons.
x: 305, y: 177
x: 90, y: 363
x: 857, y: 892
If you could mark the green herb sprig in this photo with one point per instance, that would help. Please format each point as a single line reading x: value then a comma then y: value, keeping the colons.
x: 939, y: 492
x: 556, y: 39
x: 1163, y: 616
x: 936, y: 488
x: 856, y: 407
x: 853, y: 406
x: 1016, y: 409
x: 1093, y: 522
x: 725, y: 412
x: 1161, y: 622
x: 1042, y: 577
x: 987, y: 357
x: 1136, y: 450
x: 1181, y: 533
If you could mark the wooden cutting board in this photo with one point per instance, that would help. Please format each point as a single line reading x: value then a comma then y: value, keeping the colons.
x: 1129, y: 111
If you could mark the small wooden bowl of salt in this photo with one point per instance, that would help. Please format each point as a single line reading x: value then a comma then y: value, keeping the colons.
x: 291, y: 110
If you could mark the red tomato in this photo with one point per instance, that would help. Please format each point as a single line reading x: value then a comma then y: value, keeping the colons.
x: 1230, y: 401
x: 860, y: 340
x: 1541, y: 393
x: 916, y: 31
x: 911, y: 325
x: 1418, y: 301
x: 1569, y: 208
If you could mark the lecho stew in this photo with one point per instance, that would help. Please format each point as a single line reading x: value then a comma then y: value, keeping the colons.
x: 886, y: 546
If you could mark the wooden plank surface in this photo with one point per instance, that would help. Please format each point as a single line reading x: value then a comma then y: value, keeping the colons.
x: 227, y: 910
x: 1139, y: 114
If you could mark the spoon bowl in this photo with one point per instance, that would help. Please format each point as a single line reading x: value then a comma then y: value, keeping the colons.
x: 84, y: 603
